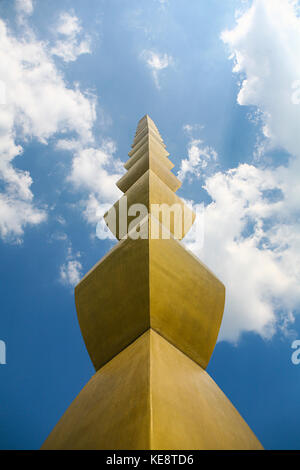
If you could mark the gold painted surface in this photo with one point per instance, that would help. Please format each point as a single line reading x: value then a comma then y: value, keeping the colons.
x: 138, y: 193
x: 148, y: 149
x: 149, y: 182
x: 148, y: 131
x: 149, y: 282
x: 147, y: 127
x: 186, y: 300
x: 189, y: 411
x: 112, y: 411
x: 149, y: 190
x: 146, y: 121
x: 161, y: 194
x: 112, y: 301
x: 157, y: 165
x: 151, y: 390
x: 153, y: 144
x: 151, y: 396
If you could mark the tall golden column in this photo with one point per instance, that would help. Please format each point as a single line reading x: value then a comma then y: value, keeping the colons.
x: 150, y: 314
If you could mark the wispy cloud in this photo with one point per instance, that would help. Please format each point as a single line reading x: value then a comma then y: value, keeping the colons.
x: 157, y: 62
x: 163, y: 3
x: 23, y: 8
x: 71, y: 270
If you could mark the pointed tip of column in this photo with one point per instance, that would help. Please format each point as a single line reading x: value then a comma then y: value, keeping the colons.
x: 146, y: 117
x: 146, y: 121
x: 145, y: 127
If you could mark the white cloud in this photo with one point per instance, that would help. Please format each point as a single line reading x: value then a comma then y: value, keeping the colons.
x: 96, y: 171
x: 70, y: 271
x: 91, y: 170
x: 38, y: 104
x: 156, y: 62
x: 265, y: 46
x: 15, y: 214
x: 24, y: 7
x: 68, y: 24
x: 252, y: 229
x: 59, y: 236
x: 201, y: 161
x: 38, y: 99
x: 72, y: 42
x: 252, y: 248
x: 94, y: 212
x: 71, y: 49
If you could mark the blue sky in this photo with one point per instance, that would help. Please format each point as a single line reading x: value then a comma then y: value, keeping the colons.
x: 221, y: 80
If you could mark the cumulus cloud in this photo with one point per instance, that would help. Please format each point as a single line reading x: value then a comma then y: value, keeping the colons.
x: 96, y: 171
x: 265, y: 47
x: 38, y: 104
x: 156, y: 62
x: 253, y: 248
x: 202, y: 159
x: 71, y: 42
x: 94, y: 212
x: 93, y: 170
x: 15, y: 214
x: 252, y: 230
x: 70, y: 271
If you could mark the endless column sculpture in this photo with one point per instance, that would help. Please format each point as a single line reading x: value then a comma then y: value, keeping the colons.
x: 150, y: 314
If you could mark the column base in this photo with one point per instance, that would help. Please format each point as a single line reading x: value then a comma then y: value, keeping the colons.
x: 151, y: 396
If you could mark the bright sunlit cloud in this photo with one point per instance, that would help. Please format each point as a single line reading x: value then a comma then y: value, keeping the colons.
x: 252, y: 231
